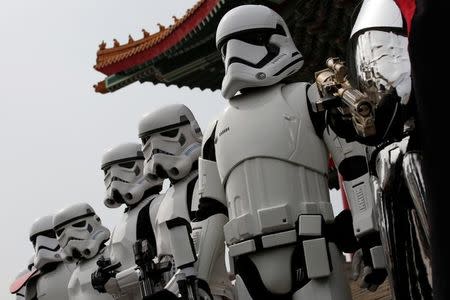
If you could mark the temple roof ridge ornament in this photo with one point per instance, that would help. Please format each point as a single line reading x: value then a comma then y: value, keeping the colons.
x: 107, y: 57
x: 184, y: 53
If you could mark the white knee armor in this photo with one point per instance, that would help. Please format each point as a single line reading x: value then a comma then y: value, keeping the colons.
x: 271, y: 164
x: 82, y: 238
x: 172, y: 142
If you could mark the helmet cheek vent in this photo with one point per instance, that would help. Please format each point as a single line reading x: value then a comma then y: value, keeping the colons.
x: 137, y: 170
x: 182, y: 140
x: 174, y: 171
x: 160, y: 172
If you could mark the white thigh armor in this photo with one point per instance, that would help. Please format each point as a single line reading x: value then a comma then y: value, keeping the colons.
x: 80, y: 287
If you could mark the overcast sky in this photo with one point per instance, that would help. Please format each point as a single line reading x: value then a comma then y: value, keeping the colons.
x: 53, y: 127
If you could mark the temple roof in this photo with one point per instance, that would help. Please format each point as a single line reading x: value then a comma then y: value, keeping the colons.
x: 184, y: 53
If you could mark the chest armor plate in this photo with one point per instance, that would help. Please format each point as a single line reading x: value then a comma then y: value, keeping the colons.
x: 268, y: 124
x: 80, y: 287
x: 124, y: 236
x: 53, y: 285
x: 173, y: 205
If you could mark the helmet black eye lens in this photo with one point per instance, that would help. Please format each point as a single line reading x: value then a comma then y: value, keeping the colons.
x: 59, y: 232
x: 170, y: 133
x: 79, y: 224
x: 128, y: 165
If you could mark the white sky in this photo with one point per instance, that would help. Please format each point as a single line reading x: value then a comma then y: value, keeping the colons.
x: 53, y: 127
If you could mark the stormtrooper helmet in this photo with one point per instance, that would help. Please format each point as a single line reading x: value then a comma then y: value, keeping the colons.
x: 123, y: 166
x: 171, y: 140
x: 257, y: 48
x: 46, y: 247
x: 79, y: 232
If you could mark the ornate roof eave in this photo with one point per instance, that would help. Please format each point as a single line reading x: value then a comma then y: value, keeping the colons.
x: 193, y: 61
x: 122, y: 57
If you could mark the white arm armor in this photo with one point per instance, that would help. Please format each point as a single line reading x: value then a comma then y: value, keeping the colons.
x: 209, y: 242
x: 181, y: 243
x: 207, y: 232
x: 210, y: 185
x: 350, y: 159
x: 381, y: 52
x: 126, y: 280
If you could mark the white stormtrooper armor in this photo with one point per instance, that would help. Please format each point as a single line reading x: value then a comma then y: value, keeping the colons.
x: 172, y: 142
x: 125, y: 183
x: 53, y: 276
x: 82, y: 238
x: 265, y: 153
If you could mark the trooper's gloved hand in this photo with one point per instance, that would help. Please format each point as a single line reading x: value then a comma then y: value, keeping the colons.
x: 104, y: 273
x: 201, y: 291
x: 161, y: 295
x: 371, y: 274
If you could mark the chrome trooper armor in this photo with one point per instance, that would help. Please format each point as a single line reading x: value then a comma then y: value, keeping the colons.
x: 51, y: 282
x: 266, y: 158
x: 379, y: 66
x: 172, y: 142
x: 82, y: 238
x: 123, y: 166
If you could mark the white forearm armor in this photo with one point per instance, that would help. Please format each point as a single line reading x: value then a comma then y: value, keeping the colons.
x: 125, y: 282
x: 181, y: 243
x: 350, y: 159
x: 210, y: 185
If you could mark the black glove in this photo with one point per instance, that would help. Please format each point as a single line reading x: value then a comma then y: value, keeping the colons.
x: 161, y: 295
x: 362, y: 265
x: 200, y: 287
x: 104, y: 272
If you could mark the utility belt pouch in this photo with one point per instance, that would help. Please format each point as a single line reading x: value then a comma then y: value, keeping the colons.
x: 315, y: 246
